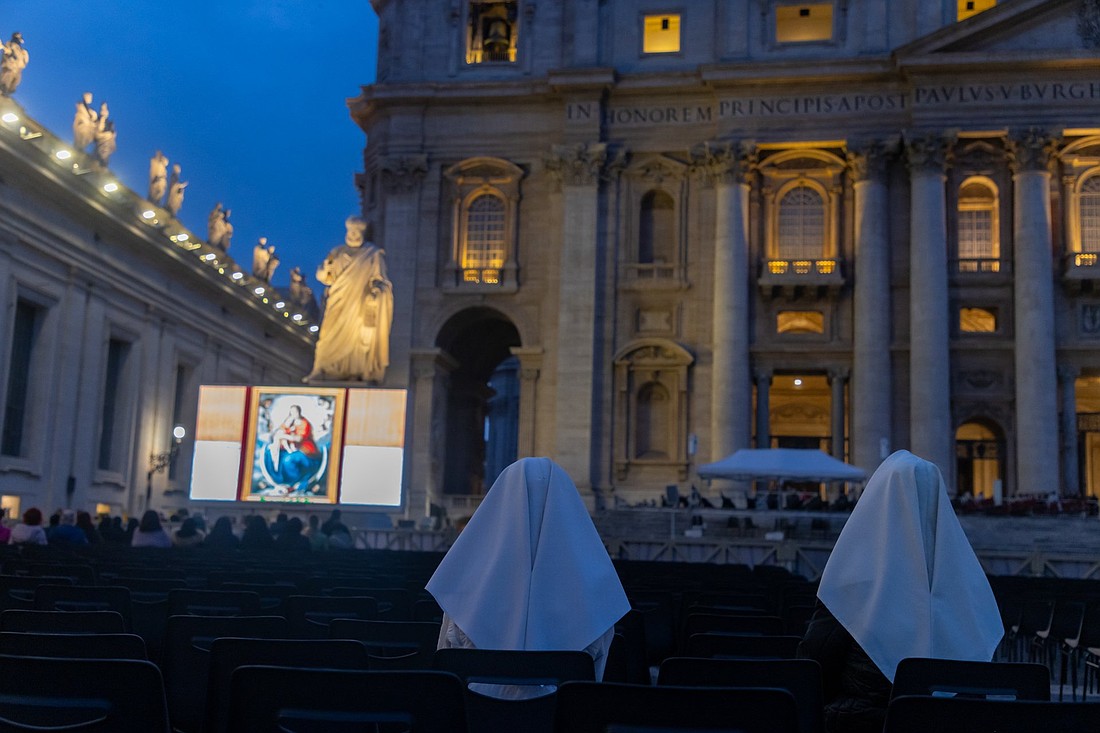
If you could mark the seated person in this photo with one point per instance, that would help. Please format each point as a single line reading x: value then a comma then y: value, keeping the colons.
x: 902, y: 581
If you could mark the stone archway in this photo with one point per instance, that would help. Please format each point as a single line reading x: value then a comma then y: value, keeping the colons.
x: 979, y: 457
x: 482, y: 400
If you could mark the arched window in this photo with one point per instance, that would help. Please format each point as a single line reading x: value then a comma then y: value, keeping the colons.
x: 484, y: 240
x: 1089, y: 214
x: 653, y: 422
x: 978, y: 227
x: 801, y: 224
x: 656, y: 229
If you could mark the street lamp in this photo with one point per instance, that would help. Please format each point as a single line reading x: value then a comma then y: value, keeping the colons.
x: 160, y: 461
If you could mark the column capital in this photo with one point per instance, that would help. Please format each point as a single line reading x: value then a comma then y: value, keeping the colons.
x: 1031, y: 151
x: 929, y: 153
x: 403, y: 174
x: 1068, y: 372
x: 530, y: 361
x: 723, y: 162
x: 867, y: 161
x: 580, y: 164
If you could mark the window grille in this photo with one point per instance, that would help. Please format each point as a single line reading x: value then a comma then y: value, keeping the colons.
x: 801, y: 224
x: 483, y: 255
x: 1090, y: 214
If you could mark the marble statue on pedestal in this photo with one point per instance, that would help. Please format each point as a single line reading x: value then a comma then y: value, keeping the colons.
x: 14, y: 60
x: 158, y: 177
x: 105, y: 136
x: 85, y: 122
x: 219, y: 231
x: 354, y: 343
x: 264, y: 260
x: 175, y: 192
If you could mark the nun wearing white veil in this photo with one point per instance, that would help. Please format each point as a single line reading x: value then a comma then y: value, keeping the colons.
x: 902, y: 581
x: 529, y: 571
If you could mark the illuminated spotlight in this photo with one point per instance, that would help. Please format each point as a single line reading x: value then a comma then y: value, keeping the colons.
x: 314, y: 329
x: 182, y: 237
x: 110, y: 187
x: 63, y: 154
x: 148, y: 214
x: 10, y: 118
x: 221, y: 270
x: 238, y: 275
x: 286, y: 314
x: 210, y: 256
x: 265, y: 300
x: 798, y: 382
x: 259, y: 291
x: 280, y: 305
x: 296, y: 317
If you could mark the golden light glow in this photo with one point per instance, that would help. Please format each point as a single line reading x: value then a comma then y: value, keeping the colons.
x: 977, y: 320
x: 1084, y: 260
x: 800, y: 322
x: 803, y: 23
x: 968, y: 8
x: 661, y: 34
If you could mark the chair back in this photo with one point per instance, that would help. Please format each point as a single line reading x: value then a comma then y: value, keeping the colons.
x: 394, y: 604
x: 17, y: 591
x: 800, y: 677
x: 63, y: 622
x: 310, y: 616
x: 735, y: 646
x: 84, y: 695
x: 186, y: 661
x: 229, y: 653
x: 285, y: 699
x: 597, y: 707
x: 191, y: 602
x: 1003, y: 680
x: 920, y: 714
x: 76, y: 646
x: 391, y: 644
x: 85, y: 598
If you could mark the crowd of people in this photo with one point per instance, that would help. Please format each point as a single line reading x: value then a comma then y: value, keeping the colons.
x: 66, y: 527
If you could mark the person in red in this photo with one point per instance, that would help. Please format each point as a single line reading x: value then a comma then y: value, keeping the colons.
x: 292, y: 458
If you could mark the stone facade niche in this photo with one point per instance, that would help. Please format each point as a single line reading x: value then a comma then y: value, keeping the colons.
x: 651, y: 407
x: 484, y: 196
x: 654, y: 223
x: 802, y: 193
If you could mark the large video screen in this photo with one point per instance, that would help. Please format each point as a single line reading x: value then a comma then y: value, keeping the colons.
x: 310, y: 445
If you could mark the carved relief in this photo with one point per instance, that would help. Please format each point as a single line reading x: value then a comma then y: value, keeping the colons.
x: 1031, y: 151
x: 654, y: 320
x: 928, y: 154
x: 404, y: 174
x: 577, y: 165
x: 869, y: 161
x: 723, y: 162
x: 1088, y: 23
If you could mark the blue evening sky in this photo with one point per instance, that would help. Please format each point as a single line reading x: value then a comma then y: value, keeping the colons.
x: 248, y: 96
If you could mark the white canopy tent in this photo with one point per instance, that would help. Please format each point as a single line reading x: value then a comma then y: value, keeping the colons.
x: 783, y: 465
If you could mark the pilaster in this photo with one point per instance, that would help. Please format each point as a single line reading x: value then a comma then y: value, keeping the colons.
x: 431, y: 369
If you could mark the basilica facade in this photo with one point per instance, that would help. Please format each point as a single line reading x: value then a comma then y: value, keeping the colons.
x: 637, y: 235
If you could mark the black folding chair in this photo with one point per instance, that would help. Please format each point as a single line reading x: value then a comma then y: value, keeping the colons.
x: 191, y: 602
x: 391, y: 645
x: 85, y: 598
x: 597, y: 707
x: 228, y: 653
x: 1002, y: 680
x: 289, y: 700
x: 76, y: 646
x: 63, y: 622
x: 735, y: 646
x: 86, y: 695
x: 310, y: 616
x: 920, y: 714
x: 17, y: 591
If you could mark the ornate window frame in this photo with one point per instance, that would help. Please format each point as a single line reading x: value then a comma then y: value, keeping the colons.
x: 640, y: 365
x: 647, y: 175
x: 468, y: 181
x: 964, y: 204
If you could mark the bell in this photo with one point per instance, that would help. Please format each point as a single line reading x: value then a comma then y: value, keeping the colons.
x: 497, y: 41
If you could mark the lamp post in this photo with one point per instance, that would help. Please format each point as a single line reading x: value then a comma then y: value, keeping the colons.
x: 160, y: 461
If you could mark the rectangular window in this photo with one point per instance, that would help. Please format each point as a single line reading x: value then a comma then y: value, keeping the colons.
x: 804, y: 23
x: 978, y: 320
x: 968, y: 8
x: 117, y: 354
x: 661, y: 34
x: 24, y: 338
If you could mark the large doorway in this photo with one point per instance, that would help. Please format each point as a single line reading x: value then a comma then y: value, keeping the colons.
x: 979, y: 458
x: 482, y: 400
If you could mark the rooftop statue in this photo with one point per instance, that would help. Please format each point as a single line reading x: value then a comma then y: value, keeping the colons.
x: 175, y: 192
x: 85, y: 122
x: 301, y: 295
x: 264, y: 260
x: 105, y: 136
x: 11, y: 67
x: 354, y: 343
x: 158, y: 177
x: 219, y: 231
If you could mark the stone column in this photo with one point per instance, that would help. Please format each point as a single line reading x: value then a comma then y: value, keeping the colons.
x: 763, y: 408
x: 1033, y: 270
x: 871, y: 368
x: 578, y: 168
x: 837, y: 378
x: 931, y: 433
x: 530, y: 364
x: 401, y: 218
x: 724, y: 167
x: 424, y: 458
x: 1071, y: 480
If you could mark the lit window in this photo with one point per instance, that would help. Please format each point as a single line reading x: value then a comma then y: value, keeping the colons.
x: 979, y: 242
x: 662, y: 34
x: 800, y: 322
x: 1089, y: 212
x: 483, y: 254
x: 491, y: 34
x: 978, y: 320
x: 801, y: 224
x: 968, y: 8
x: 802, y: 23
